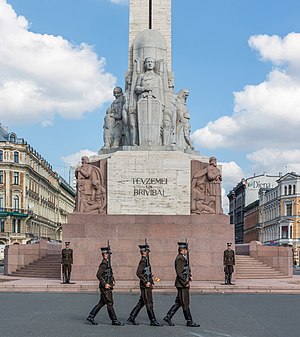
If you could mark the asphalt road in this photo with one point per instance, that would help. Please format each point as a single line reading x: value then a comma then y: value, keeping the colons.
x: 63, y: 315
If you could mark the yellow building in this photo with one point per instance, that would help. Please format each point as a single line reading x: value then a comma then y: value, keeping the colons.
x: 34, y: 200
x: 279, y: 211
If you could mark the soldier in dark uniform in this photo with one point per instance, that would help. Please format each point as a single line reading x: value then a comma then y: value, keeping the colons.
x: 182, y: 283
x: 146, y: 286
x: 67, y: 261
x: 106, y: 284
x: 229, y: 262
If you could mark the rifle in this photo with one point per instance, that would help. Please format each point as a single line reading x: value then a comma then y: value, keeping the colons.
x: 109, y: 272
x: 147, y: 270
x: 186, y: 270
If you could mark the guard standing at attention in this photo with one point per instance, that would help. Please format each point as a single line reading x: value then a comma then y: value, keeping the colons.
x: 106, y: 284
x: 229, y: 262
x: 144, y: 273
x: 67, y: 261
x: 182, y: 283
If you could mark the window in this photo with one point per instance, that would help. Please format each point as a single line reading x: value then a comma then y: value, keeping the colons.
x: 285, y: 190
x: 2, y: 223
x: 284, y: 231
x: 1, y: 203
x: 294, y: 189
x: 16, y: 157
x: 1, y: 155
x: 16, y: 203
x: 288, y: 209
x: 1, y: 177
x: 16, y: 178
x: 290, y: 189
x: 12, y: 137
x: 16, y: 225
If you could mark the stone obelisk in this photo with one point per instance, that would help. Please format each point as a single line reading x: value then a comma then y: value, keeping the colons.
x: 150, y: 14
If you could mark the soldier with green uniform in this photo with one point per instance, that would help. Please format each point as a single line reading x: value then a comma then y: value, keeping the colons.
x: 67, y: 261
x: 106, y: 284
x: 229, y: 262
x: 146, y: 286
x: 182, y: 283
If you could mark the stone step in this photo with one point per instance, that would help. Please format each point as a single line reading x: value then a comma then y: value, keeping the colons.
x: 46, y: 267
x: 250, y: 268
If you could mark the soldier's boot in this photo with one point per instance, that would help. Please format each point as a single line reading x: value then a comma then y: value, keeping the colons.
x: 226, y: 279
x: 229, y: 279
x: 90, y: 319
x: 133, y: 315
x: 153, y: 321
x: 112, y: 315
x: 189, y: 320
x: 170, y: 314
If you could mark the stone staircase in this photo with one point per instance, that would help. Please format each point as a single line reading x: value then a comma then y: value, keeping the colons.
x: 47, y: 267
x: 247, y: 267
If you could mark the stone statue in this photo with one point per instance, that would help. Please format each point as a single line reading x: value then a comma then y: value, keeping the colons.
x: 150, y: 102
x: 183, y: 121
x: 214, y: 189
x: 149, y: 84
x: 117, y: 107
x: 169, y: 121
x: 91, y: 193
x: 129, y: 116
x: 108, y: 127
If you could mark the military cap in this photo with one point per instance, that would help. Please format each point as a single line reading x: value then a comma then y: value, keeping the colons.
x: 144, y: 248
x: 67, y: 242
x: 105, y: 250
x: 182, y: 245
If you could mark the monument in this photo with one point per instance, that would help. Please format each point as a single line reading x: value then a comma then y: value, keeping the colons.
x: 147, y: 180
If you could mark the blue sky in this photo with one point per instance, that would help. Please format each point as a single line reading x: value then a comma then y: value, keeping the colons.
x: 240, y: 60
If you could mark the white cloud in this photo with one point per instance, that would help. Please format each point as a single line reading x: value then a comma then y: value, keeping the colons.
x: 75, y: 158
x: 231, y: 175
x: 275, y: 159
x: 119, y: 1
x: 42, y: 75
x: 267, y: 114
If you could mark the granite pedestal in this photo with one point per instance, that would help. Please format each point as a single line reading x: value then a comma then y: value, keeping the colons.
x: 207, y: 236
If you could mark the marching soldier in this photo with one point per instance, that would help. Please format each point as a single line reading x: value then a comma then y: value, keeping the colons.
x: 146, y: 286
x: 106, y: 284
x: 182, y: 283
x: 229, y: 262
x: 67, y: 261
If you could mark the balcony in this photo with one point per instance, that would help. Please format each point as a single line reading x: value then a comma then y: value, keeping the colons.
x: 18, y: 213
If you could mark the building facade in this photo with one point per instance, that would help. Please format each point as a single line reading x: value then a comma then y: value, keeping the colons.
x: 34, y: 200
x: 242, y: 195
x: 251, y: 222
x: 279, y: 213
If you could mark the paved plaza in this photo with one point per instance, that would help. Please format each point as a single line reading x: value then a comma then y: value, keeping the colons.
x: 61, y: 314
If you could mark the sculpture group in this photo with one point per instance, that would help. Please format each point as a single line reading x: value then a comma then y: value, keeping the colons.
x: 149, y: 113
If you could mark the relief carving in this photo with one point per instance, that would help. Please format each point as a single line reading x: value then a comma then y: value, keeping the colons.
x: 206, y: 190
x: 91, y: 187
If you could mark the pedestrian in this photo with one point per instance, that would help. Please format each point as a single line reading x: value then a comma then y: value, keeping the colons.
x: 229, y: 262
x: 146, y: 286
x: 106, y: 284
x: 67, y: 261
x: 182, y: 284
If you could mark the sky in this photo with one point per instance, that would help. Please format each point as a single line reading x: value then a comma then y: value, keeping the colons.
x: 240, y: 60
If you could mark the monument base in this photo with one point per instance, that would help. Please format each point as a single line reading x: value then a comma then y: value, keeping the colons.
x: 207, y: 236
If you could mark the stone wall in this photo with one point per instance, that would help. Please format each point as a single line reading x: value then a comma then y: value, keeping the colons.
x: 277, y: 257
x: 17, y: 256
